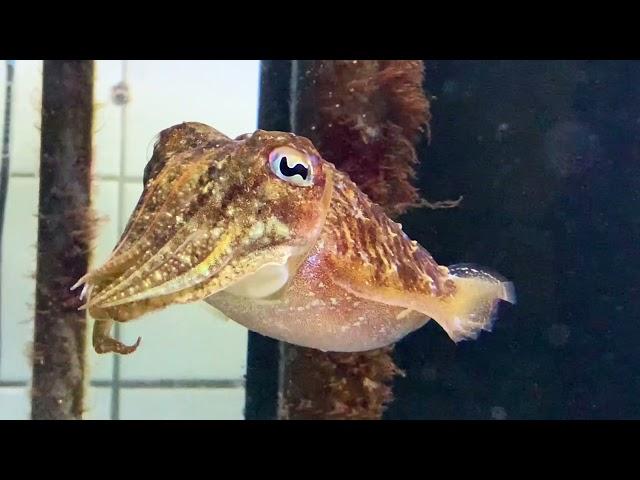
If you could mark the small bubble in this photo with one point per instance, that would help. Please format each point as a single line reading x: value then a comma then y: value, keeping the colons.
x: 449, y: 87
x: 120, y: 94
x: 498, y: 413
x: 502, y: 131
x: 430, y: 373
x: 558, y: 334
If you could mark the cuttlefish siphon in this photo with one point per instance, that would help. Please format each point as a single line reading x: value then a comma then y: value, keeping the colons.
x: 277, y: 239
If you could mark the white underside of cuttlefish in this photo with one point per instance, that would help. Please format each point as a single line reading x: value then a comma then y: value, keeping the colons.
x: 280, y: 241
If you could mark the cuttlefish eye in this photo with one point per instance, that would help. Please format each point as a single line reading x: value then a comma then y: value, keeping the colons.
x: 292, y: 166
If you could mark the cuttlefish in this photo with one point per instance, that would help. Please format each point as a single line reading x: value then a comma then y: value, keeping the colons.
x: 267, y: 232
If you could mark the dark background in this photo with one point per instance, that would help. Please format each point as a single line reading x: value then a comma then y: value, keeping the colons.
x: 547, y: 156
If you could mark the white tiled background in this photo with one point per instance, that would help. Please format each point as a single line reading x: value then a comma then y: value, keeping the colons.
x: 191, y: 362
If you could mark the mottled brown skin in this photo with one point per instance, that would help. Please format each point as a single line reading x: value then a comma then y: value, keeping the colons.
x: 213, y: 218
x: 326, y: 306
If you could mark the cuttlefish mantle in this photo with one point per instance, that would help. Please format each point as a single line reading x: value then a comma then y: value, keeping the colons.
x: 269, y: 233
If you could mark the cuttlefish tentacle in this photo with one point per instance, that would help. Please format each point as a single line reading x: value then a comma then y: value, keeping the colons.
x: 104, y: 343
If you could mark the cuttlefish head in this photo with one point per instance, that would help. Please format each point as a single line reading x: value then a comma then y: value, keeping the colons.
x: 214, y: 211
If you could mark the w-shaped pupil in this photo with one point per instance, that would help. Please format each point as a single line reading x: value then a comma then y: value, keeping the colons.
x: 298, y: 169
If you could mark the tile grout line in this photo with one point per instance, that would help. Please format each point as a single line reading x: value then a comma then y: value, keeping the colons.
x: 115, y: 385
x: 104, y: 177
x: 177, y: 383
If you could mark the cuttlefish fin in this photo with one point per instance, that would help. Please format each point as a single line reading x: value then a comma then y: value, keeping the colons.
x: 463, y: 314
x: 474, y: 305
x: 369, y: 255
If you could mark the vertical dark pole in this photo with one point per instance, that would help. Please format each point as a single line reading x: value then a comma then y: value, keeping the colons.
x: 64, y: 236
x: 364, y: 116
x: 263, y: 353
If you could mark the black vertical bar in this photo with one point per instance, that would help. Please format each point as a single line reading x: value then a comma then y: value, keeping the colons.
x: 64, y: 239
x: 263, y: 353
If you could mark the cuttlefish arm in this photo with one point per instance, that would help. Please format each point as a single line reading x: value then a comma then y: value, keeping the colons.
x: 103, y: 342
x: 174, y: 155
x: 372, y: 258
x: 175, y: 151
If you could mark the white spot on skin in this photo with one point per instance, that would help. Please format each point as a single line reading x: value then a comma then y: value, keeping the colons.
x: 372, y: 131
x: 257, y: 231
x: 359, y: 215
x: 364, y: 257
x: 277, y: 227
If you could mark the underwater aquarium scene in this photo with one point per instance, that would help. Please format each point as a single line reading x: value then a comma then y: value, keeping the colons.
x: 320, y: 240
